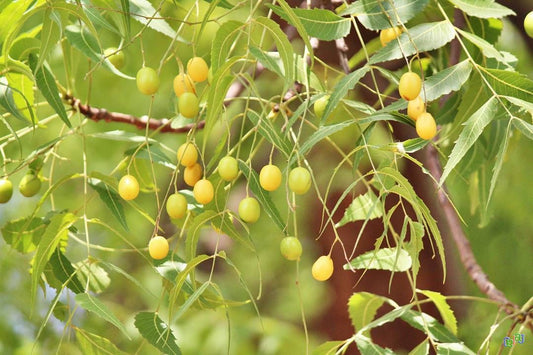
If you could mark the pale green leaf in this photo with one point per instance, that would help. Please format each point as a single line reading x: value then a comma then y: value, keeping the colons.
x: 7, y: 101
x: 89, y: 272
x: 320, y: 23
x: 509, y: 83
x: 221, y: 45
x: 378, y: 15
x: 483, y: 8
x: 446, y: 81
x: 24, y: 234
x: 92, y: 344
x: 524, y: 127
x: 473, y: 128
x: 193, y: 232
x: 429, y: 325
x: 486, y: 48
x: 392, y: 259
x: 421, y: 349
x: 444, y: 309
x: 270, y: 133
x: 267, y: 59
x: 367, y: 347
x: 50, y: 35
x: 421, y: 38
x: 362, y: 307
x: 94, y: 305
x: 151, y: 18
x: 328, y: 348
x: 23, y: 94
x: 453, y: 349
x: 363, y: 207
x: 157, y: 332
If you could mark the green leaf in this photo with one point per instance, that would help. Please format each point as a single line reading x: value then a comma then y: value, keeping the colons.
x: 429, y: 326
x: 415, y: 244
x: 125, y: 7
x: 500, y: 155
x: 155, y: 155
x: 486, y: 48
x: 421, y: 349
x: 222, y: 3
x: 153, y: 329
x: 509, y: 83
x: 446, y: 81
x: 322, y: 24
x: 217, y: 93
x: 24, y: 234
x: 267, y: 59
x: 193, y: 232
x: 340, y: 90
x: 378, y: 15
x: 421, y: 38
x: 453, y: 349
x: 367, y: 347
x: 23, y: 95
x: 7, y: 101
x: 121, y: 136
x: 54, y: 233
x: 482, y: 8
x: 111, y: 199
x: 392, y: 259
x: 362, y: 307
x: 65, y: 272
x: 444, y: 309
x: 363, y: 207
x: 87, y: 44
x: 328, y: 348
x: 524, y: 127
x: 150, y: 17
x: 262, y: 196
x: 92, y: 344
x: 271, y: 134
x: 473, y: 128
x: 224, y: 39
x: 11, y: 15
x: 47, y: 85
x: 90, y: 273
x: 98, y: 20
x: 94, y: 305
x: 50, y: 35
x: 191, y: 299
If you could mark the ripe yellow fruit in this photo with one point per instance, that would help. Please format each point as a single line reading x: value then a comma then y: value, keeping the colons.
x: 203, y: 191
x: 270, y: 177
x: 187, y: 154
x: 197, y: 69
x: 192, y: 174
x: 426, y: 127
x: 128, y: 187
x: 158, y: 247
x: 183, y: 83
x: 410, y: 86
x: 415, y: 108
x: 389, y: 34
x: 322, y: 268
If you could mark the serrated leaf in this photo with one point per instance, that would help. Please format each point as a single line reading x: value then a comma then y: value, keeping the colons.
x: 151, y: 18
x: 270, y: 133
x: 262, y: 196
x: 111, y: 199
x: 157, y: 332
x: 341, y: 89
x: 363, y: 207
x: 483, y: 8
x: 64, y: 271
x: 378, y: 15
x: 55, y: 231
x: 221, y: 46
x: 89, y: 272
x: 92, y: 344
x: 444, y: 309
x: 453, y: 349
x: 421, y: 349
x: 24, y: 234
x: 415, y: 244
x: 421, y: 38
x: 392, y: 259
x: 47, y: 85
x: 473, y: 128
x: 87, y: 44
x: 320, y: 23
x: 446, y: 81
x: 7, y: 101
x: 367, y: 347
x: 486, y: 48
x: 267, y: 59
x: 362, y: 307
x: 94, y: 305
x: 430, y: 326
x: 509, y: 83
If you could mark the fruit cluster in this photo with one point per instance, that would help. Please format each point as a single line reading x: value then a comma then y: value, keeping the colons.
x: 29, y: 186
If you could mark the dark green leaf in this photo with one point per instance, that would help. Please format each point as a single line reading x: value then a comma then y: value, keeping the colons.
x: 267, y: 59
x: 509, y: 83
x: 430, y: 326
x: 65, y: 272
x: 153, y: 329
x: 445, y: 81
x: 111, y: 199
x: 24, y: 234
x: 7, y: 101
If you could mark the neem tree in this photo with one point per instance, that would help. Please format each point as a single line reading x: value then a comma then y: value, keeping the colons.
x: 230, y: 138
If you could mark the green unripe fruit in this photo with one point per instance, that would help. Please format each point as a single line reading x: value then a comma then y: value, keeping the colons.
x: 249, y: 210
x: 320, y: 106
x: 117, y: 59
x: 291, y: 248
x: 228, y: 168
x: 176, y: 206
x: 188, y: 105
x: 528, y: 24
x: 147, y: 81
x: 6, y: 190
x: 29, y: 185
x: 299, y: 180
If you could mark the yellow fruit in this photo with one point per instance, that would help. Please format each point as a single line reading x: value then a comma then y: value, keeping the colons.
x: 192, y: 174
x: 322, y: 268
x: 183, y: 83
x: 389, y: 34
x: 128, y: 187
x: 410, y: 86
x: 270, y: 177
x: 187, y: 154
x: 197, y: 69
x: 203, y: 191
x: 158, y: 248
x: 415, y: 108
x: 426, y: 127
